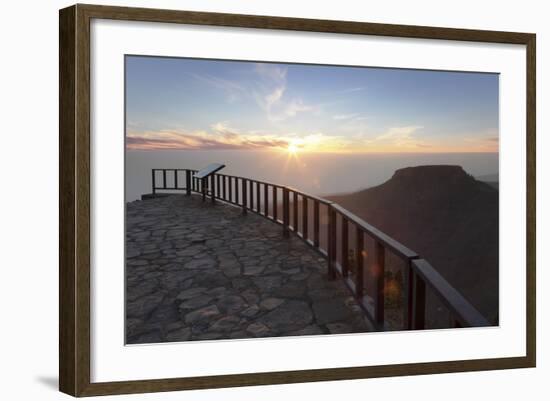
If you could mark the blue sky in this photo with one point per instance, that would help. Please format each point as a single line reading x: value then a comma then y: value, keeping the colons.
x: 177, y: 103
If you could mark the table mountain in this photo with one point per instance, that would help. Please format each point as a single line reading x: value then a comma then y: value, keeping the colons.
x: 446, y: 216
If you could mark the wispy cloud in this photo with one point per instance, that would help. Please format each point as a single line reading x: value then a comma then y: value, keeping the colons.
x: 399, y: 137
x: 271, y: 93
x: 267, y: 87
x: 345, y: 116
x: 294, y: 107
x: 233, y: 90
x: 221, y: 138
x: 482, y: 141
x: 271, y: 72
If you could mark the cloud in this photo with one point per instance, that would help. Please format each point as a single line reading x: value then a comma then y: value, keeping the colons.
x: 296, y: 106
x: 223, y: 129
x: 271, y: 71
x: 279, y: 109
x: 271, y: 93
x: 233, y: 90
x: 399, y: 132
x: 482, y: 141
x: 345, y: 116
x: 274, y: 97
x: 267, y: 85
x: 399, y: 137
x: 222, y: 138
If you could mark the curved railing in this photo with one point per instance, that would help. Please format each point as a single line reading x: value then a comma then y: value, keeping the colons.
x: 328, y: 228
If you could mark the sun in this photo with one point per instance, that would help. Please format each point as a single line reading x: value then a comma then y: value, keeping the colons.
x: 292, y: 148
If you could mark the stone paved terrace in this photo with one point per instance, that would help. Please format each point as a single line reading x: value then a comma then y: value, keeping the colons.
x: 197, y: 271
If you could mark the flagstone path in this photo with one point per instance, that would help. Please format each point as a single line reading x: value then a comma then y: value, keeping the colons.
x: 197, y: 271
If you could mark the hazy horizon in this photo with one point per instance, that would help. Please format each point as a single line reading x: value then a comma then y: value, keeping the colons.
x: 316, y: 173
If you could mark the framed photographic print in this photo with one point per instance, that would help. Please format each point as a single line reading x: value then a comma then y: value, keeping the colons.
x: 251, y: 200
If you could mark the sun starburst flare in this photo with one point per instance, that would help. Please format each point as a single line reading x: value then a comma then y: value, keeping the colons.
x: 292, y: 148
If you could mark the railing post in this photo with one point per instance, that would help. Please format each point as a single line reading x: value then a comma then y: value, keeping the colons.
x: 316, y: 223
x: 275, y: 206
x: 188, y: 182
x: 213, y: 187
x: 331, y: 243
x: 295, y: 211
x: 153, y: 181
x: 345, y: 247
x: 258, y: 203
x: 164, y: 178
x: 359, y: 263
x: 266, y: 201
x: 244, y: 196
x: 419, y: 307
x: 203, y: 188
x: 224, y: 179
x: 218, y: 185
x: 408, y: 297
x: 286, y: 212
x: 379, y: 264
x: 175, y: 179
x: 304, y: 218
x: 251, y: 201
x: 230, y: 188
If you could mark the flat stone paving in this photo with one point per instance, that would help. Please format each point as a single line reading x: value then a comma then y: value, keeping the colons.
x: 197, y: 271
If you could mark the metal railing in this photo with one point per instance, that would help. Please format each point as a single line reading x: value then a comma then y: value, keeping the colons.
x: 326, y: 226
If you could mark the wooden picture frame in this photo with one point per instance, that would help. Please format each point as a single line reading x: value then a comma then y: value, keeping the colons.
x: 74, y: 199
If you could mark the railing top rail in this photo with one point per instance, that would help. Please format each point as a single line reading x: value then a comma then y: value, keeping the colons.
x: 261, y: 182
x: 310, y: 196
x: 171, y: 169
x: 400, y: 249
x: 251, y: 180
x: 459, y: 306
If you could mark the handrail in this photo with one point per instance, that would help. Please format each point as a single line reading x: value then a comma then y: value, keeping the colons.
x: 263, y: 198
x: 462, y: 310
x: 310, y: 196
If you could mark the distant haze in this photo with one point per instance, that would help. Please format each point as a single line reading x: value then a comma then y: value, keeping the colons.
x: 316, y: 173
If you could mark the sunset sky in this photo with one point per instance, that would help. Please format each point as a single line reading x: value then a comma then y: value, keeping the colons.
x: 176, y: 103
